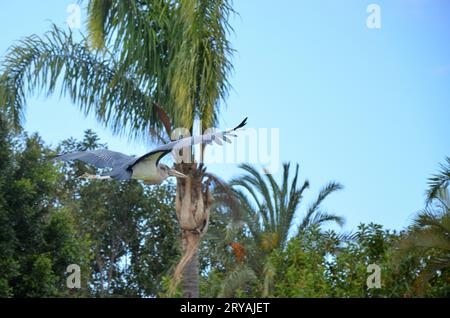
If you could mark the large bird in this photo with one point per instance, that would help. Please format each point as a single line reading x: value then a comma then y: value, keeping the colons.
x: 146, y: 167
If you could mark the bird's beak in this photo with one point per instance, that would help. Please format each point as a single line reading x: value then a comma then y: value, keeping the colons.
x: 174, y: 173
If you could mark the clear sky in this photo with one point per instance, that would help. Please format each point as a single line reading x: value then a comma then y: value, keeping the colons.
x: 369, y: 108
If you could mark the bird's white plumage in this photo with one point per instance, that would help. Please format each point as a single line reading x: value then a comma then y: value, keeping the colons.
x: 147, y: 169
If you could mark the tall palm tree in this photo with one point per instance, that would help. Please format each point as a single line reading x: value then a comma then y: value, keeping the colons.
x: 429, y: 235
x: 270, y: 209
x: 141, y: 63
x: 270, y: 212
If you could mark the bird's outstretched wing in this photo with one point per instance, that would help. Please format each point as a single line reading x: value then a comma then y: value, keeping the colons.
x: 216, y: 137
x: 100, y: 158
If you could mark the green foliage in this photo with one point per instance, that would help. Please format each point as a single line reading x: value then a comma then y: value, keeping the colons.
x: 439, y: 181
x: 314, y: 263
x: 131, y: 227
x: 121, y: 234
x: 428, y: 239
x: 37, y: 244
x: 263, y: 215
x: 137, y: 55
x: 324, y: 264
x: 124, y: 236
x: 166, y: 290
x: 347, y: 268
x: 299, y: 270
x: 41, y: 282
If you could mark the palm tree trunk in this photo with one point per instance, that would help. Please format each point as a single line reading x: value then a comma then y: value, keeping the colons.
x: 191, y: 277
x: 193, y: 201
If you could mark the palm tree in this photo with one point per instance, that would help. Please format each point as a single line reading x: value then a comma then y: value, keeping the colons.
x: 270, y: 213
x: 439, y: 182
x: 141, y: 63
x: 429, y: 235
x: 270, y: 209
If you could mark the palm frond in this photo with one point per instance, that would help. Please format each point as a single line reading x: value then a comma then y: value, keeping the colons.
x: 277, y: 206
x: 248, y: 184
x: 277, y: 196
x: 313, y: 209
x: 173, y: 53
x: 439, y: 181
x: 255, y: 179
x: 98, y: 11
x: 430, y: 218
x: 201, y: 59
x: 324, y: 192
x: 237, y: 278
x: 96, y: 83
x: 321, y: 217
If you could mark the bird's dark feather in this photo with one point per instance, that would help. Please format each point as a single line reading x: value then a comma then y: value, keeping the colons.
x: 141, y: 158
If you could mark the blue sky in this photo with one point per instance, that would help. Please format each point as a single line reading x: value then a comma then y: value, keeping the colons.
x: 369, y: 108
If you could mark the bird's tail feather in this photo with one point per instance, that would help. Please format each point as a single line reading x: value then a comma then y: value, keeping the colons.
x: 228, y: 133
x: 242, y: 124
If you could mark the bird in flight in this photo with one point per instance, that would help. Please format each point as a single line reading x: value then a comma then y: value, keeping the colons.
x: 146, y: 167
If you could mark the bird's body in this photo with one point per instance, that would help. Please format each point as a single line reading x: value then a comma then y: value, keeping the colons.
x: 146, y: 171
x: 150, y: 172
x: 146, y: 167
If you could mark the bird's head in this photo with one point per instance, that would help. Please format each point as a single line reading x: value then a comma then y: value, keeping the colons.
x: 169, y: 172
